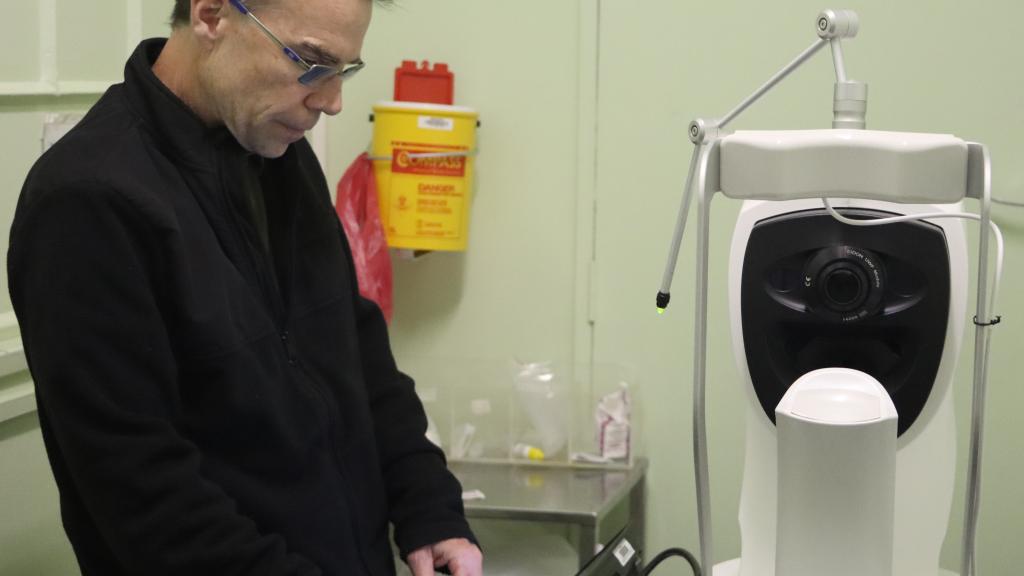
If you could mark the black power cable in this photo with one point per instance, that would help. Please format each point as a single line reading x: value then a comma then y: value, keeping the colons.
x: 668, y: 554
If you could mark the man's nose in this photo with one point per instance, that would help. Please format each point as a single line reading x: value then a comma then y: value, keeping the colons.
x: 326, y: 98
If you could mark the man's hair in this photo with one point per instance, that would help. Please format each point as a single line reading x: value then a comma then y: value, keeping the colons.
x: 180, y: 16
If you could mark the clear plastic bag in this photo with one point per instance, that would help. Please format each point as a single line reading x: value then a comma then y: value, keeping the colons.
x: 544, y: 395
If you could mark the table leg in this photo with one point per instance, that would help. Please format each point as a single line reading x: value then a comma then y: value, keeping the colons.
x: 587, y: 543
x: 637, y: 517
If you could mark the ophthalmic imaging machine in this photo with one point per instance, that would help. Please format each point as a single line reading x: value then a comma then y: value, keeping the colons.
x: 848, y: 290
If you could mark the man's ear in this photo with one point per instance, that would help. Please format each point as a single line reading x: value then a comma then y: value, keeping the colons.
x: 206, y: 17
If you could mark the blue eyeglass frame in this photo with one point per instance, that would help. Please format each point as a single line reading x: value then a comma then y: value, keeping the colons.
x: 314, y: 73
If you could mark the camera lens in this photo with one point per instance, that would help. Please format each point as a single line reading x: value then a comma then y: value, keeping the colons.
x: 844, y: 283
x: 843, y: 287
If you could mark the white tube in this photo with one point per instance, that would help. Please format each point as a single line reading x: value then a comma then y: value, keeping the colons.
x: 700, y: 337
x: 778, y: 77
x: 982, y: 335
x: 837, y: 60
x: 677, y: 236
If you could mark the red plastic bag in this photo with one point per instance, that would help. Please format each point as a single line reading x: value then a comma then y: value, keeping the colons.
x: 356, y: 205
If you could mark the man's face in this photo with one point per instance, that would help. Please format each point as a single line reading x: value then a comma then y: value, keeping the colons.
x: 254, y: 88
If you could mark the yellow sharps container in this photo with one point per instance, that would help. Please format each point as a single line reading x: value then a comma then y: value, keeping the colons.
x: 423, y: 161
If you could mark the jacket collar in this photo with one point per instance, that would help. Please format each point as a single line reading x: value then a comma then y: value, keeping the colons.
x: 172, y: 123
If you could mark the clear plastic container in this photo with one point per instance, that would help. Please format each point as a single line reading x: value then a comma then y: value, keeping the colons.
x: 530, y: 413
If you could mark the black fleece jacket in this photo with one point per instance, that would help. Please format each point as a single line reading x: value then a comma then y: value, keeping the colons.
x: 207, y: 407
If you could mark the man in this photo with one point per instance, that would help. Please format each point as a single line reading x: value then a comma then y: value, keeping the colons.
x: 214, y: 395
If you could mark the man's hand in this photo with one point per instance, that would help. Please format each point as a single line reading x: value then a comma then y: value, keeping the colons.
x: 461, y: 556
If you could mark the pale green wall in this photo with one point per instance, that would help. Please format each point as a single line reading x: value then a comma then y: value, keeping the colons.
x: 530, y: 67
x: 31, y: 540
x: 82, y: 54
x: 21, y: 23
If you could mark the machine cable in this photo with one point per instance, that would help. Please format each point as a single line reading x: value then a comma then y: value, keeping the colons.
x: 668, y: 553
x: 982, y: 348
x: 996, y: 233
x: 1007, y: 202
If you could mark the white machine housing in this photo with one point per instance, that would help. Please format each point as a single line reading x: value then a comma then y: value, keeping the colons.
x: 926, y: 452
x: 837, y: 468
x: 875, y: 168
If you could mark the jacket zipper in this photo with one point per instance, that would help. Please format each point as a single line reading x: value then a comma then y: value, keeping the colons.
x: 263, y: 266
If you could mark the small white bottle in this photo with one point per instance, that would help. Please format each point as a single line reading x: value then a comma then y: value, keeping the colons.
x: 526, y: 451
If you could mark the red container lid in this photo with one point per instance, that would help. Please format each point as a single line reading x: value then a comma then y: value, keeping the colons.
x: 434, y: 85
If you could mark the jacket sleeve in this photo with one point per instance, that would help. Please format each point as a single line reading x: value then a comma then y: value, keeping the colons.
x: 83, y: 272
x: 425, y: 498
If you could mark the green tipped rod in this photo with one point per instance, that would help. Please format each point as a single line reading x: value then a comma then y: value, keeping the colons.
x: 677, y: 236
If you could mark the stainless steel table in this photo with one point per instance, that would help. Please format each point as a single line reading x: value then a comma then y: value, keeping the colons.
x: 557, y: 494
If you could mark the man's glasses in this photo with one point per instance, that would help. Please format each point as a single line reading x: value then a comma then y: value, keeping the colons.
x: 314, y: 73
